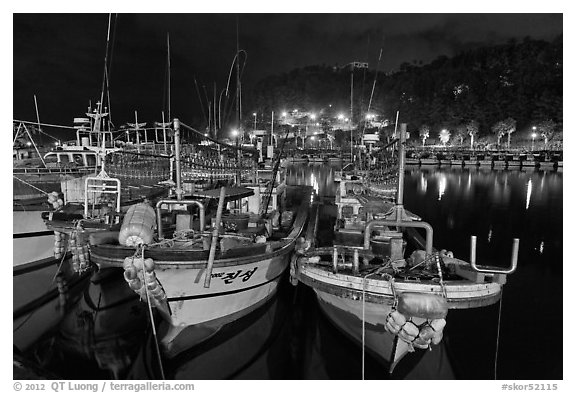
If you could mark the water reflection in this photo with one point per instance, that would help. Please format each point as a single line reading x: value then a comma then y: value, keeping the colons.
x: 319, y: 176
x: 528, y: 193
x: 442, y: 181
x: 494, y: 205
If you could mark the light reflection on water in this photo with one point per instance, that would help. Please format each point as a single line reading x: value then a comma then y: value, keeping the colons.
x: 494, y: 205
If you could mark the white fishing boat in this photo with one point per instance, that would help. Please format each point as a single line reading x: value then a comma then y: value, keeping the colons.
x: 383, y: 284
x: 200, y: 269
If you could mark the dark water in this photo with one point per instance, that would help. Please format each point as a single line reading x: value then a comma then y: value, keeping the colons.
x: 290, y: 339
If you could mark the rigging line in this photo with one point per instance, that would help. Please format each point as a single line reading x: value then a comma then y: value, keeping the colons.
x: 152, y: 319
x: 105, y: 64
x: 200, y: 99
x: 38, y: 118
x: 373, y: 88
x: 208, y: 102
x: 31, y: 185
x: 364, y: 282
x: 232, y: 105
x: 43, y: 124
x: 108, y: 72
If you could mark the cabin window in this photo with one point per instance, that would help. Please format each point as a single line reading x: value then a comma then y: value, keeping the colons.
x: 50, y: 159
x: 347, y: 211
x: 78, y: 160
x: 361, y: 214
x: 64, y: 159
x: 91, y: 160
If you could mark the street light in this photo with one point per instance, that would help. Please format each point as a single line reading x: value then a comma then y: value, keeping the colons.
x: 254, y: 114
x: 533, y: 137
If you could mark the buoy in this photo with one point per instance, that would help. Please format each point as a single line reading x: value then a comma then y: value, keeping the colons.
x: 430, y: 307
x: 138, y: 225
x: 422, y: 305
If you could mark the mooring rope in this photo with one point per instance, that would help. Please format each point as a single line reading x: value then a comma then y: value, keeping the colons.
x: 30, y: 185
x: 364, y: 282
x: 498, y: 333
x: 152, y: 319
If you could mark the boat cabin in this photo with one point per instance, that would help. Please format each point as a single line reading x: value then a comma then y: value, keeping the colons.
x: 76, y: 158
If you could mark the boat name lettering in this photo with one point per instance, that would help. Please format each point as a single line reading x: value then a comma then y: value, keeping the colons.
x: 230, y: 277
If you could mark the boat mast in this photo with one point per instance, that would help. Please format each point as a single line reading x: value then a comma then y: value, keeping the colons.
x: 104, y: 78
x: 238, y: 105
x: 351, y: 112
x: 168, y: 45
x: 38, y: 119
x: 238, y: 87
x: 177, y: 159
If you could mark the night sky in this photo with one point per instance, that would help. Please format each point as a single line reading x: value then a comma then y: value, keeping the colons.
x: 60, y: 57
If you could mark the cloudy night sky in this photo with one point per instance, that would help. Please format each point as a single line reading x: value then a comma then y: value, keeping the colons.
x: 60, y: 57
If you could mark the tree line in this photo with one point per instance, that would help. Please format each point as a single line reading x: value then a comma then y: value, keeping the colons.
x: 493, y: 90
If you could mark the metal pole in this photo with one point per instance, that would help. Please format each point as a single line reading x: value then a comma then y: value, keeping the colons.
x: 272, y: 130
x: 401, y: 159
x: 214, y: 112
x: 136, y: 127
x: 37, y: 118
x: 351, y: 112
x: 164, y: 132
x: 177, y: 157
x: 215, y: 230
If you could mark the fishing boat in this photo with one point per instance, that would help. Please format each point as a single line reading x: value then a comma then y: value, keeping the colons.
x: 59, y: 204
x: 44, y: 282
x: 383, y: 284
x: 202, y: 269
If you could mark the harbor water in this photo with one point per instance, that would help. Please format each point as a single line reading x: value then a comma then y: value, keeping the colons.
x: 519, y: 337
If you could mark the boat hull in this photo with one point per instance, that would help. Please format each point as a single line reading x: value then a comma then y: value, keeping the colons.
x: 349, y: 299
x: 30, y: 240
x: 237, y: 287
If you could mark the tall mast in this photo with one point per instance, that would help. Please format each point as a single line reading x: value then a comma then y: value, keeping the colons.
x: 238, y: 91
x: 351, y: 112
x: 104, y: 80
x: 168, y: 46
